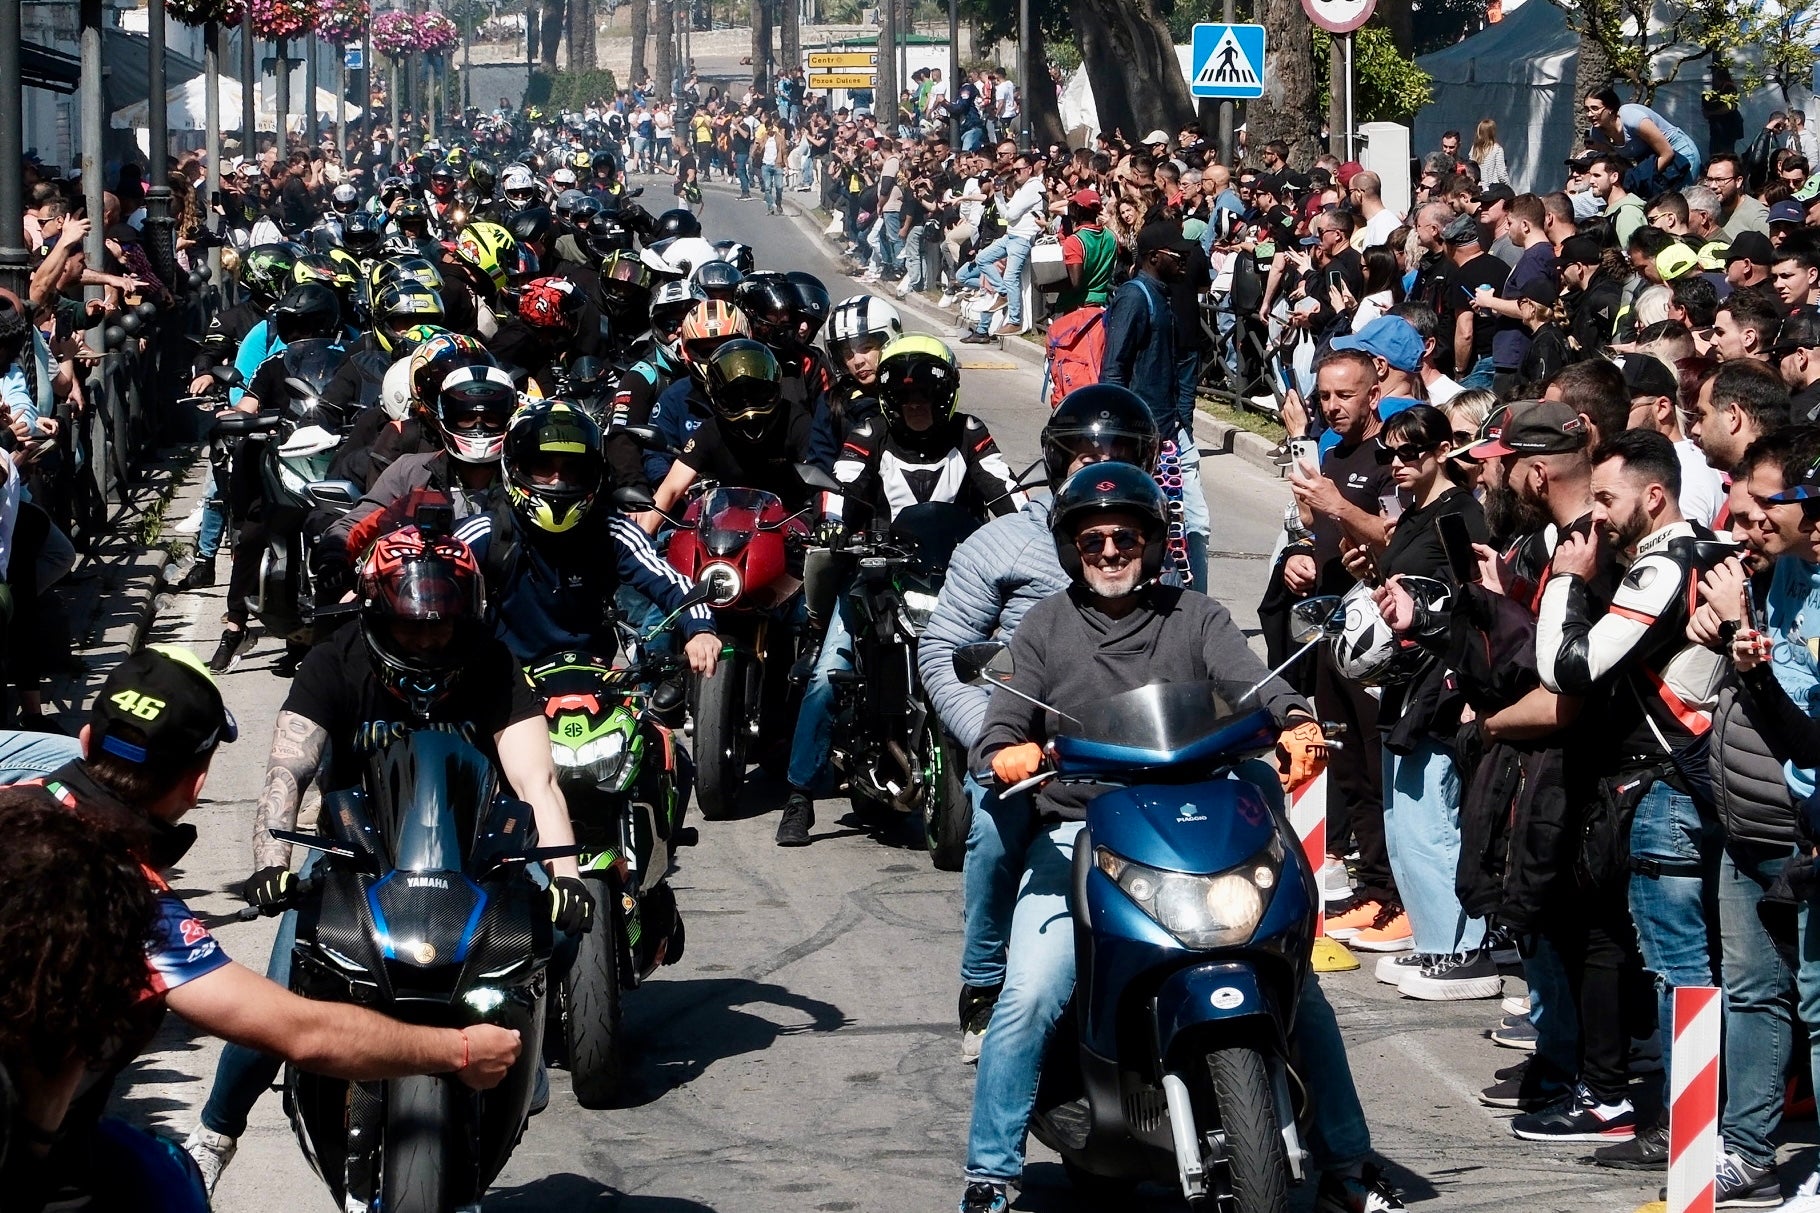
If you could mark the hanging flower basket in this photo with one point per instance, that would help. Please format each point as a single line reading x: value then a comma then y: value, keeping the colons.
x: 274, y: 19
x: 342, y: 21
x: 436, y: 34
x: 201, y: 12
x: 394, y: 34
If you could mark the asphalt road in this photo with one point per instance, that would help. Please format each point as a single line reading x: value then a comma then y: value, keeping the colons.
x: 804, y: 1054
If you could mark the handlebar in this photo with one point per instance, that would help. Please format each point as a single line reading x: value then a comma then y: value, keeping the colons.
x: 301, y: 888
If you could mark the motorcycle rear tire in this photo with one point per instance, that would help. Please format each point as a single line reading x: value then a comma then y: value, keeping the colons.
x: 720, y: 738
x: 948, y: 811
x: 592, y: 994
x: 420, y: 1164
x: 1256, y: 1167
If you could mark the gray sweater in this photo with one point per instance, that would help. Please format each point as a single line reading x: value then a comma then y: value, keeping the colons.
x: 1070, y: 655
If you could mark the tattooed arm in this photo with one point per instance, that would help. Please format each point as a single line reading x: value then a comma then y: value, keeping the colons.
x: 297, y: 746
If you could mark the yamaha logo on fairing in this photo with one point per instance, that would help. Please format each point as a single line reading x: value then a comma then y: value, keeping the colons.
x: 426, y: 882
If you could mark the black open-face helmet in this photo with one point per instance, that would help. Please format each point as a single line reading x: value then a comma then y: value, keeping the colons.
x: 1098, y: 422
x: 1107, y: 488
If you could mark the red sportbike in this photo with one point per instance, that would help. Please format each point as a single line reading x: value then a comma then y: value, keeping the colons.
x: 746, y: 546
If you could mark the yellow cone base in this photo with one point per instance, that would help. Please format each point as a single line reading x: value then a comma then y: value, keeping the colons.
x: 1654, y: 1206
x: 1331, y: 956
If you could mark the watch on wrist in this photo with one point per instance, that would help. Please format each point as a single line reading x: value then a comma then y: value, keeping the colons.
x: 1728, y: 630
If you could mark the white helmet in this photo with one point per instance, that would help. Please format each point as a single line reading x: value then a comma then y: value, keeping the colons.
x: 687, y: 252
x: 346, y: 193
x: 395, y: 390
x: 859, y: 317
x: 563, y: 177
x: 517, y: 177
x: 1367, y: 651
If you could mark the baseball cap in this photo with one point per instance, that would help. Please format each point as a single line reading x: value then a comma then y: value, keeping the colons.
x: 1155, y: 137
x: 1194, y: 229
x: 161, y: 709
x: 1085, y: 198
x: 1496, y: 193
x: 1647, y: 375
x: 1582, y: 162
x: 1391, y: 338
x: 1800, y: 331
x: 1163, y: 234
x: 1787, y: 211
x: 1542, y: 291
x: 1346, y: 172
x: 1750, y: 246
x: 1581, y: 250
x: 1676, y: 261
x: 1463, y: 230
x: 1536, y: 427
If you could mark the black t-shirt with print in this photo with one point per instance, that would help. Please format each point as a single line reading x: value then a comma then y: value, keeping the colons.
x: 338, y: 688
x: 1361, y: 480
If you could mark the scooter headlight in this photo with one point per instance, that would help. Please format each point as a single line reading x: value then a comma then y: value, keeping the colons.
x: 1202, y: 911
x: 918, y: 607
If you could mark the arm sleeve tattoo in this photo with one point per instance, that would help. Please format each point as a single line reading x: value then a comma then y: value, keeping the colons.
x: 297, y: 747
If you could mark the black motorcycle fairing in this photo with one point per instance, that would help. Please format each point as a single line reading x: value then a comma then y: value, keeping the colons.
x: 428, y: 793
x: 930, y: 531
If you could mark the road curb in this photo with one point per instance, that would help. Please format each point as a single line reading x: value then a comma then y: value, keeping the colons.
x: 1219, y: 436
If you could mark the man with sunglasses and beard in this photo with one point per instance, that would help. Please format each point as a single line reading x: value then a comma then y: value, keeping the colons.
x: 1115, y: 629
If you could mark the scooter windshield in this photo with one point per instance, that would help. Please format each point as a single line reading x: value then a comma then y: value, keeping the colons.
x: 1163, y: 722
x: 428, y: 790
x: 733, y: 515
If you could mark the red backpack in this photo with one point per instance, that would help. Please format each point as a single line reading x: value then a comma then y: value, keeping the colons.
x: 1076, y: 347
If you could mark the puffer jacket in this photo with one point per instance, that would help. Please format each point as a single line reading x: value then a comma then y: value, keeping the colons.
x: 1748, y: 785
x: 994, y: 578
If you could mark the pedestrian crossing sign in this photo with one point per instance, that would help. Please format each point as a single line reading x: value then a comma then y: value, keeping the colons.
x: 1227, y: 61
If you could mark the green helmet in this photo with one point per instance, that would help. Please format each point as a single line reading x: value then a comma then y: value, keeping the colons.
x: 266, y: 271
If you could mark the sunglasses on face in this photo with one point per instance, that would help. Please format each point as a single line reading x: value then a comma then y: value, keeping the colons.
x: 1409, y: 452
x: 1124, y: 541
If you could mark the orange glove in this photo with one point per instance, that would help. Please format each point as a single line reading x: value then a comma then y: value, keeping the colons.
x: 1016, y: 763
x: 1301, y: 753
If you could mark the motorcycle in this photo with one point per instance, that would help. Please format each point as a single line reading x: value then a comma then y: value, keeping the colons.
x: 887, y: 738
x: 738, y: 543
x: 627, y: 792
x: 421, y: 908
x: 298, y: 443
x: 1194, y: 913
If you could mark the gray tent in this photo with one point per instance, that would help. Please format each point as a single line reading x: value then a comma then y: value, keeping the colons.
x: 1520, y: 72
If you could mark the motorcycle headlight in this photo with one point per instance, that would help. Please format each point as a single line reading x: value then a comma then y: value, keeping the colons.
x: 918, y: 606
x: 724, y: 587
x: 1202, y: 911
x: 598, y: 760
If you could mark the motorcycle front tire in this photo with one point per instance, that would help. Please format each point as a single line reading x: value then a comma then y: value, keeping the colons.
x: 720, y: 738
x: 948, y: 809
x: 1256, y: 1167
x: 592, y: 995
x: 421, y: 1163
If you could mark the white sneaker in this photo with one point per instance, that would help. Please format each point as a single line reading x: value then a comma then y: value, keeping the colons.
x: 947, y: 299
x: 1515, y: 1006
x: 1336, y: 882
x: 1806, y: 1198
x: 212, y: 1151
x: 1393, y: 970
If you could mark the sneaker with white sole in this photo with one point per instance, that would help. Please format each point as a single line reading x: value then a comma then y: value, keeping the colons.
x: 1336, y: 881
x: 976, y: 1014
x: 1389, y: 932
x: 1738, y: 1184
x: 1454, y: 978
x: 212, y: 1151
x: 1366, y: 1192
x: 1512, y: 1005
x: 1581, y: 1116
x: 1515, y: 1032
x: 1392, y: 970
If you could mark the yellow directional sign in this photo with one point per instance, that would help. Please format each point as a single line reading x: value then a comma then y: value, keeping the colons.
x: 844, y: 60
x: 841, y: 80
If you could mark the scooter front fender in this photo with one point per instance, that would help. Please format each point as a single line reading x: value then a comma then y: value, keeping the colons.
x: 1231, y: 995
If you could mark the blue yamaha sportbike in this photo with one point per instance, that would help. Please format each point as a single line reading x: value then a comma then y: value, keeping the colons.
x: 1194, y: 913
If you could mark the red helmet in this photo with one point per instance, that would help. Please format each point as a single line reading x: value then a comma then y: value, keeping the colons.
x: 421, y: 608
x: 552, y: 306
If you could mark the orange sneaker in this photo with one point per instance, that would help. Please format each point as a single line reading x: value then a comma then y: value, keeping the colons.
x: 1350, y: 923
x: 1390, y: 933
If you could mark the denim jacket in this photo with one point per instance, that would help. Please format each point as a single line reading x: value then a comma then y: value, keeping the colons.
x: 1792, y: 620
x: 1140, y: 350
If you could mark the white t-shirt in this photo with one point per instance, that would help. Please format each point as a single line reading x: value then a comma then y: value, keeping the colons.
x: 771, y: 152
x: 1442, y: 390
x: 1702, y: 488
x: 1005, y: 98
x: 1023, y: 211
x: 971, y: 211
x: 1380, y: 225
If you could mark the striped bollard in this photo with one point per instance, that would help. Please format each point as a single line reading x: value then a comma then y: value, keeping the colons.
x: 1693, y: 1081
x: 1308, y: 817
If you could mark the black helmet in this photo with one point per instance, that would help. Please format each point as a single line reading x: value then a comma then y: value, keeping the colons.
x: 266, y: 269
x: 531, y: 225
x: 1102, y: 488
x: 307, y: 310
x: 408, y: 578
x: 412, y: 214
x: 675, y: 223
x: 1104, y: 421
x: 362, y: 233
x: 608, y: 234
x: 403, y: 305
x: 625, y: 287
x: 554, y: 466
x: 483, y: 176
x: 740, y: 255
x: 813, y: 303
x: 588, y: 378
x: 718, y: 280
x: 442, y: 179
x: 583, y: 208
x: 769, y: 300
x: 919, y: 367
x: 606, y: 167
x: 745, y: 386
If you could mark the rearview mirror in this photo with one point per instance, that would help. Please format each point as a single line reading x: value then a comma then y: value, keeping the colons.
x: 1312, y: 617
x: 333, y: 492
x: 649, y: 438
x: 229, y: 375
x: 985, y: 663
x: 632, y: 499
x: 818, y: 479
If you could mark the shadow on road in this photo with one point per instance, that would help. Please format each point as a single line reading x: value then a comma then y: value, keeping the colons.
x: 568, y: 1193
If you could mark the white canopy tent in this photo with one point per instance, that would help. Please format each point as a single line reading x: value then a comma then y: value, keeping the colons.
x: 1080, y: 113
x: 185, y: 106
x: 1520, y: 72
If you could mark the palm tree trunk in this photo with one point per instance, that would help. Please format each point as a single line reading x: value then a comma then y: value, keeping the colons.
x: 641, y: 29
x: 1289, y: 108
x: 663, y: 75
x: 551, y: 29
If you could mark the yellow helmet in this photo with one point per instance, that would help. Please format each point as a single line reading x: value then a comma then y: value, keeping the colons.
x: 489, y: 248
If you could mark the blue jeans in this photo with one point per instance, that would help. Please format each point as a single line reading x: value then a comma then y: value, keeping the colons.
x: 1481, y: 375
x: 742, y: 166
x: 1552, y: 1009
x: 214, y: 521
x: 996, y: 843
x: 1422, y: 833
x: 1674, y: 912
x: 774, y: 187
x: 1759, y: 1002
x: 27, y: 755
x: 1039, y: 979
x: 969, y: 275
x: 1197, y: 523
x: 890, y: 241
x: 815, y: 722
x: 972, y: 138
x: 1010, y: 284
x: 808, y: 180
